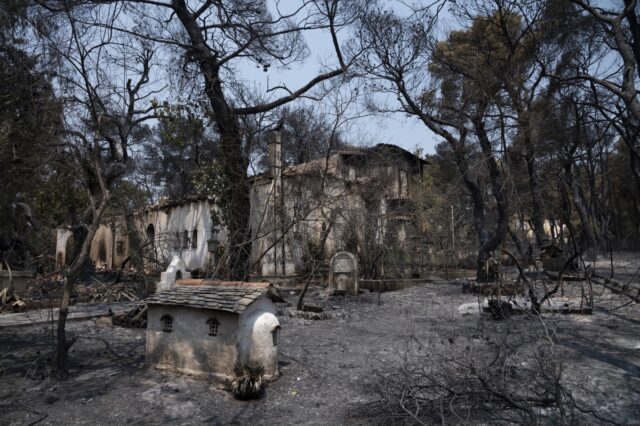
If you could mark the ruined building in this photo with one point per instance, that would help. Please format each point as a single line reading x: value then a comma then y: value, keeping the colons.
x: 356, y: 200
x: 187, y: 228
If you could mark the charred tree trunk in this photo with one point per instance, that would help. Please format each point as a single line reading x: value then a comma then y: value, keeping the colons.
x: 317, y: 259
x: 485, y: 269
x: 516, y: 242
x: 237, y: 206
x: 574, y: 193
x: 59, y: 366
x: 599, y: 223
x: 234, y: 160
x: 235, y: 197
x: 537, y: 216
x: 79, y: 233
x: 474, y: 190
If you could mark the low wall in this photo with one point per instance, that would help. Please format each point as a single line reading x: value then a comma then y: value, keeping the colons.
x: 283, y: 282
x: 20, y: 280
x: 389, y: 284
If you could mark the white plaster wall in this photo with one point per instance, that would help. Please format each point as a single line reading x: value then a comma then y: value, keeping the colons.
x: 102, y: 249
x: 169, y: 221
x: 265, y: 230
x: 524, y: 230
x: 257, y: 325
x: 62, y: 236
x: 189, y: 348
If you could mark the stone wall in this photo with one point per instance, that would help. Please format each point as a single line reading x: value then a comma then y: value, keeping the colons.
x: 358, y: 195
x: 20, y: 280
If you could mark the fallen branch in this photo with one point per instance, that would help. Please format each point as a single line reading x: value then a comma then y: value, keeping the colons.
x: 559, y: 280
x: 618, y: 288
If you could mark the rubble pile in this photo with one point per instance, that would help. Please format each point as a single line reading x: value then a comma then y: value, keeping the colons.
x: 46, y: 291
x: 10, y: 301
x: 135, y: 318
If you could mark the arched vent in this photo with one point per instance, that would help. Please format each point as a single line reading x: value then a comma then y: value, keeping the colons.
x: 167, y: 323
x: 275, y: 334
x: 214, y: 326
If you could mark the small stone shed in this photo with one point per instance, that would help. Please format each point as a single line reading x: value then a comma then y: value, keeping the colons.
x: 210, y: 329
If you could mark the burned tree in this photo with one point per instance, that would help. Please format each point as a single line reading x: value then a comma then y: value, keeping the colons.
x: 399, y: 55
x: 101, y: 120
x: 211, y: 37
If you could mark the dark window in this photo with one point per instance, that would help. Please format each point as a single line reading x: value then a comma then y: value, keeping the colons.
x: 177, y: 241
x: 167, y: 323
x: 120, y: 248
x: 194, y: 239
x: 151, y: 233
x: 274, y: 335
x: 214, y: 325
x: 185, y: 239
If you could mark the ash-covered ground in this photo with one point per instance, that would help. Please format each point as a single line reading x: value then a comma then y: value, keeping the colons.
x: 330, y: 369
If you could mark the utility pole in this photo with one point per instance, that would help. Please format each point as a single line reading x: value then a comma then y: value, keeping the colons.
x: 275, y: 163
x: 453, y: 236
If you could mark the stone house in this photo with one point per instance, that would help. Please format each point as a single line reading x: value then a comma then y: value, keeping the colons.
x: 211, y: 330
x: 356, y: 200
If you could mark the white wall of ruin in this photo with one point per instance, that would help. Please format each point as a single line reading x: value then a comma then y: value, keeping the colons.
x: 551, y: 229
x: 174, y: 233
x: 113, y: 241
x: 256, y: 340
x: 62, y: 236
x: 189, y: 348
x: 101, y: 251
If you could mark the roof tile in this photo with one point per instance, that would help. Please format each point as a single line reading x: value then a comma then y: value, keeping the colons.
x: 227, y: 298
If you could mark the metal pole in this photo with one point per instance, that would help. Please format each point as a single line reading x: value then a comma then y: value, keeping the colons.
x: 282, y: 214
x: 453, y: 236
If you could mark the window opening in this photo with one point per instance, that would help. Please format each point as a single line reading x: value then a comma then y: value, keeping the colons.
x: 167, y: 323
x: 185, y: 239
x: 151, y: 233
x: 194, y: 239
x: 274, y: 335
x: 214, y: 326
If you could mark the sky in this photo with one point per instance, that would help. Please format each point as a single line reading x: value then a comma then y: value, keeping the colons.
x: 398, y: 129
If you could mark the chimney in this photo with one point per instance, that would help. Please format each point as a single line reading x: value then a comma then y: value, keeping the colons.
x: 275, y: 153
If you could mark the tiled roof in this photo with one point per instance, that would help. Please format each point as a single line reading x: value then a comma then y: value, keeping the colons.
x: 230, y: 299
x: 201, y: 282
